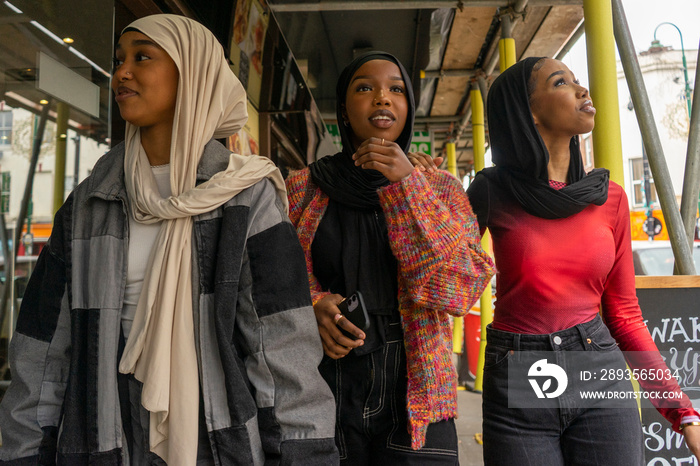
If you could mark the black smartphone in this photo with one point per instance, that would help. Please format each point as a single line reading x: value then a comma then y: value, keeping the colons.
x: 353, y: 308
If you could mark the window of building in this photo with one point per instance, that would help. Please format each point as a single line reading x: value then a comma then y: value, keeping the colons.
x: 5, y: 128
x: 587, y: 144
x: 637, y: 170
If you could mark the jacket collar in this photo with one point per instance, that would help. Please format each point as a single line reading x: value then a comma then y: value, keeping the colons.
x: 107, y: 178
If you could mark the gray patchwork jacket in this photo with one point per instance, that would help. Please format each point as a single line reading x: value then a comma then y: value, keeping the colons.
x: 262, y: 398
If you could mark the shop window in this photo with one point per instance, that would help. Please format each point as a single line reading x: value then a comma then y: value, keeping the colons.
x: 637, y: 170
x: 5, y: 128
x: 587, y: 143
x: 54, y: 55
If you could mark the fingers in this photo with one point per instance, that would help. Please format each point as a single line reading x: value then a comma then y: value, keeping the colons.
x: 342, y: 322
x: 424, y: 162
x: 379, y: 142
x: 331, y: 347
x: 387, y: 158
x: 341, y: 339
x: 335, y: 344
x: 376, y: 146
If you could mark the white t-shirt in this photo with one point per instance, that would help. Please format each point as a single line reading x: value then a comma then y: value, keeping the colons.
x: 142, y: 237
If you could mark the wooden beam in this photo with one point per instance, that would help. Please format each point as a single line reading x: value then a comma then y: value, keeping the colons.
x: 448, y: 95
x: 284, y: 7
x: 469, y: 28
x: 668, y: 281
x: 554, y: 30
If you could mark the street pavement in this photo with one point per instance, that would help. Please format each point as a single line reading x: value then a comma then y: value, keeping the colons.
x: 468, y: 424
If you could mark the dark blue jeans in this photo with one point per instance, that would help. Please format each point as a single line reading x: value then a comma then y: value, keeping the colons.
x: 569, y: 434
x: 372, y: 423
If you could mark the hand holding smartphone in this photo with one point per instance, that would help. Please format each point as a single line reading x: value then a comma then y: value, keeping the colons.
x: 353, y: 308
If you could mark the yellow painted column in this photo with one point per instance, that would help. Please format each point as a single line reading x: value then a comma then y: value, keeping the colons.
x: 602, y: 76
x: 506, y: 53
x: 479, y: 139
x: 451, y: 158
x: 458, y: 322
x: 59, y: 173
x: 478, y: 132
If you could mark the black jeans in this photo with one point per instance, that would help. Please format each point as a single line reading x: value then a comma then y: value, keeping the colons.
x: 568, y: 434
x: 372, y: 423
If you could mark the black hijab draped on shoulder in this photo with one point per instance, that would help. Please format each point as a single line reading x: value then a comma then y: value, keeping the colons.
x: 521, y: 157
x: 337, y: 175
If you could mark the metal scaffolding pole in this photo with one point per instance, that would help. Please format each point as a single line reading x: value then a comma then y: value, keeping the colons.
x: 602, y: 73
x: 652, y: 143
x: 458, y: 322
x: 509, y: 51
x: 571, y: 42
x: 506, y: 46
x: 691, y: 178
x: 486, y: 311
x: 59, y: 174
x: 7, y: 254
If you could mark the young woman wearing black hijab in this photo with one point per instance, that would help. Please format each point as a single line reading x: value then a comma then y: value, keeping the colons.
x: 562, y: 247
x: 408, y: 241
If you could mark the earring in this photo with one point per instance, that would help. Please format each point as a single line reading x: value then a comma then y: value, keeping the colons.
x: 346, y: 123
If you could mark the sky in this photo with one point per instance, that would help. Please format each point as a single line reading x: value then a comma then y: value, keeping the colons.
x: 643, y: 16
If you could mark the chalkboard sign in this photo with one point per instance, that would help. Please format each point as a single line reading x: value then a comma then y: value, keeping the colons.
x: 671, y: 309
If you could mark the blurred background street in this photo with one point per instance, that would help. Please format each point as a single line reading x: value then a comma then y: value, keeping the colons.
x: 468, y: 424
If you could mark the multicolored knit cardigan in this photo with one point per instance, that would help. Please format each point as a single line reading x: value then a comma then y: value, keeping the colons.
x: 442, y: 270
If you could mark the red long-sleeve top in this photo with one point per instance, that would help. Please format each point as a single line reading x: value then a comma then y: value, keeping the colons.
x: 554, y: 274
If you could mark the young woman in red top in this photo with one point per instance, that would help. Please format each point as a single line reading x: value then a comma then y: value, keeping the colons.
x: 563, y: 253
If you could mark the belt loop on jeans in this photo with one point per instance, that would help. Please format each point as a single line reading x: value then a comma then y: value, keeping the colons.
x: 582, y: 333
x: 585, y: 341
x: 516, y: 342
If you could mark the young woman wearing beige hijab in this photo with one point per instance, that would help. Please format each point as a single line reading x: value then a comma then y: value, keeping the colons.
x: 169, y: 319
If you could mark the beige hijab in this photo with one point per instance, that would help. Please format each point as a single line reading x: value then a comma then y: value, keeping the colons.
x: 160, y: 351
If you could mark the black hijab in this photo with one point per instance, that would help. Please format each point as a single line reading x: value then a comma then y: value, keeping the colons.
x: 351, y: 249
x: 521, y: 156
x: 337, y: 175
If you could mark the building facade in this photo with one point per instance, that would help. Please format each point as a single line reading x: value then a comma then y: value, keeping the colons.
x: 662, y: 69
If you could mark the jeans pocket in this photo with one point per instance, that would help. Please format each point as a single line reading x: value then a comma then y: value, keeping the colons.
x: 495, y: 356
x: 601, y: 340
x: 441, y: 443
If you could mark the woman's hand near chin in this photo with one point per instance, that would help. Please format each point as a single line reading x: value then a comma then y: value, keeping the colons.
x: 385, y: 157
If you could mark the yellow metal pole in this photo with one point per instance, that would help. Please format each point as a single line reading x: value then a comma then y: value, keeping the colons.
x: 59, y: 174
x: 507, y: 58
x: 451, y: 158
x: 486, y: 318
x: 478, y: 133
x: 506, y: 53
x: 458, y: 335
x: 502, y: 55
x: 479, y: 138
x: 458, y: 322
x: 602, y: 75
